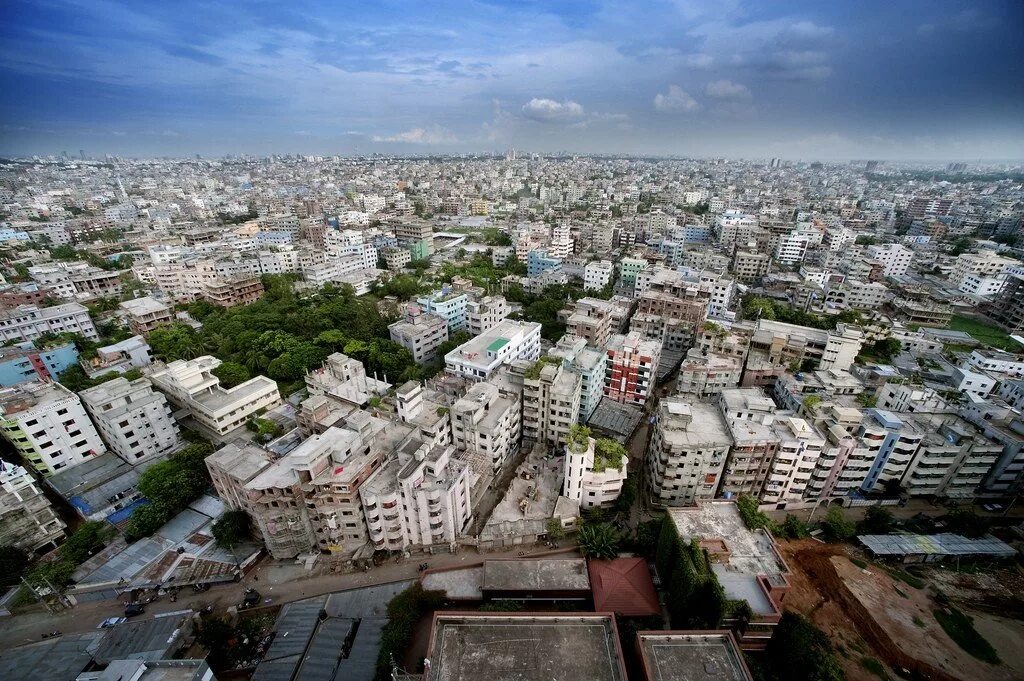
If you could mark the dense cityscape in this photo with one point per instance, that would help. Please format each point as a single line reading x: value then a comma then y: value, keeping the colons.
x: 479, y: 340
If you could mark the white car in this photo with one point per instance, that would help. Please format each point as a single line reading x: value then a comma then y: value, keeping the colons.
x: 112, y: 622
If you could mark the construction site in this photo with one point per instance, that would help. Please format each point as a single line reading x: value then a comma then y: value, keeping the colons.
x: 883, y: 622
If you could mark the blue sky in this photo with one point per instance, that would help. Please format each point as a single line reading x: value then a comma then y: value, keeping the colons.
x: 911, y: 79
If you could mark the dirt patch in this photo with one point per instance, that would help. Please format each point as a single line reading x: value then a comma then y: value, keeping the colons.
x: 997, y: 590
x: 1006, y: 636
x: 867, y: 613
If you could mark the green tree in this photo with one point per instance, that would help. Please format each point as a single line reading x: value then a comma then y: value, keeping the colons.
x: 231, y: 374
x: 836, y: 527
x: 599, y: 541
x: 554, y: 529
x: 886, y: 349
x: 759, y: 307
x: 174, y: 342
x: 967, y: 522
x: 799, y: 651
x: 14, y: 562
x: 145, y: 520
x: 232, y: 528
x: 877, y: 520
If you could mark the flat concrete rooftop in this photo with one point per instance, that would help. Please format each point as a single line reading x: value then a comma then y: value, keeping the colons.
x: 536, y: 575
x: 526, y: 647
x: 691, y: 656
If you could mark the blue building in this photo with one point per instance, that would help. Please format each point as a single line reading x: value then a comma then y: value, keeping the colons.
x: 22, y: 363
x: 538, y: 261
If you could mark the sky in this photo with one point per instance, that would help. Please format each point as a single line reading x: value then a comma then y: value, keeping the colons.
x: 901, y: 79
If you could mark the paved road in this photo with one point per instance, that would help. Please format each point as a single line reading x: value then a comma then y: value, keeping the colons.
x: 280, y: 582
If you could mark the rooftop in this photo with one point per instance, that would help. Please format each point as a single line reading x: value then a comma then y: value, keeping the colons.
x: 524, y: 647
x: 536, y: 575
x: 691, y: 656
x: 623, y: 586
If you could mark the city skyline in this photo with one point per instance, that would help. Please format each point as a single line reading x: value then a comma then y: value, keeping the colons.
x: 794, y: 80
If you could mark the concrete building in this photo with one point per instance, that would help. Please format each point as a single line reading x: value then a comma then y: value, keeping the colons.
x: 485, y: 313
x: 551, y: 400
x: 755, y: 443
x: 784, y: 344
x: 589, y: 364
x: 190, y: 385
x: 1008, y: 306
x: 799, y: 447
x: 448, y: 305
x: 671, y: 318
x: 595, y: 470
x: 120, y: 357
x: 23, y: 362
x: 597, y: 274
x: 687, y: 453
x: 952, y: 459
x: 749, y: 267
x: 421, y: 334
x: 228, y: 292
x: 632, y: 368
x: 27, y: 519
x: 890, y: 443
x: 145, y: 314
x: 479, y: 357
x: 133, y: 419
x: 895, y: 258
x: 688, y: 655
x: 420, y: 498
x: 703, y: 375
x: 48, y: 426
x: 28, y: 322
x: 486, y: 425
x: 592, y: 319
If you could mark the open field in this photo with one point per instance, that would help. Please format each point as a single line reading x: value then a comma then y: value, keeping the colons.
x: 872, y: 616
x: 986, y: 333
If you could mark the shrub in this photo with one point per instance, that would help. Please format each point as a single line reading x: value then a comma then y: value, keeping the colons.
x: 404, y: 610
x: 799, y: 651
x: 960, y: 628
x: 753, y: 518
x: 794, y: 528
x: 599, y: 541
x: 836, y: 527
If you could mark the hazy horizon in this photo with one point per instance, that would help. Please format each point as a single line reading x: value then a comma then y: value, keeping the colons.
x: 914, y: 81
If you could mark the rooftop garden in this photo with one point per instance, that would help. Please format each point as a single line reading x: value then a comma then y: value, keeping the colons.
x: 608, y: 454
x: 533, y: 373
x: 578, y: 439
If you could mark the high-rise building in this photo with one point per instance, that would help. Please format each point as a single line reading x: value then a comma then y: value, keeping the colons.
x: 687, y: 453
x: 632, y: 368
x: 133, y: 419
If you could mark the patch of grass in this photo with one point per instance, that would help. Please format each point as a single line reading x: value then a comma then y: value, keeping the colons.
x: 989, y: 334
x: 874, y: 666
x: 906, y: 577
x: 859, y: 563
x: 901, y: 593
x: 918, y: 621
x: 960, y: 628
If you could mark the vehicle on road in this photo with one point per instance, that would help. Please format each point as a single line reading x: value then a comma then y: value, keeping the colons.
x: 111, y: 622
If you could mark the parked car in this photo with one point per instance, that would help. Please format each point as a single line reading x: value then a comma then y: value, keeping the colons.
x: 112, y: 622
x: 993, y: 508
x: 133, y: 609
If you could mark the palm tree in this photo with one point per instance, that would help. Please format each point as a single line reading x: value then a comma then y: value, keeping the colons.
x: 599, y: 542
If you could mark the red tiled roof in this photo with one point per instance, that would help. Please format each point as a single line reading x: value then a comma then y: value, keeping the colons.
x: 623, y: 586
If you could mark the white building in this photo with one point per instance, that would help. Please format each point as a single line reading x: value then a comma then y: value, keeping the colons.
x: 48, y: 426
x: 28, y: 322
x: 795, y: 459
x: 486, y: 425
x: 687, y: 453
x: 895, y: 258
x: 133, y: 419
x: 479, y: 357
x: 485, y: 313
x: 191, y: 385
x: 420, y: 334
x: 551, y: 401
x: 597, y: 274
x: 419, y: 498
x: 997, y: 362
x: 595, y: 470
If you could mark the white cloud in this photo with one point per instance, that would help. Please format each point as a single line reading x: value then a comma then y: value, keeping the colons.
x: 547, y: 110
x: 433, y: 135
x: 726, y: 89
x: 700, y: 61
x: 676, y: 100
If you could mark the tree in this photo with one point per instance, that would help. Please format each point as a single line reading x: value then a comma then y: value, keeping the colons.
x: 174, y: 342
x: 877, y: 520
x: 599, y: 541
x: 794, y: 528
x: 13, y: 563
x: 799, y: 651
x: 624, y: 504
x: 232, y: 528
x: 231, y: 374
x: 886, y: 349
x: 554, y: 529
x: 759, y: 307
x: 836, y: 527
x: 145, y: 520
x: 966, y: 522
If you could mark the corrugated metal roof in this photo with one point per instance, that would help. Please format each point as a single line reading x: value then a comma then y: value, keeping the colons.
x: 935, y: 544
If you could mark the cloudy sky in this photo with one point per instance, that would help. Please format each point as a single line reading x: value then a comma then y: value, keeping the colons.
x: 914, y: 79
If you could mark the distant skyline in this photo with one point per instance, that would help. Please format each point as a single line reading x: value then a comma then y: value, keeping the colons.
x: 914, y: 79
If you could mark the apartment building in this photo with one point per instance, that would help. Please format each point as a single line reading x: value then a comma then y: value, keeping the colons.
x: 686, y: 457
x: 784, y: 344
x: 750, y: 458
x: 985, y: 264
x: 589, y: 364
x: 749, y: 267
x: 592, y: 319
x: 632, y: 367
x: 597, y: 274
x: 145, y: 314
x: 27, y: 519
x: 425, y: 410
x: 1007, y: 308
x: 420, y: 333
x: 23, y: 362
x: 234, y: 291
x: 48, y: 426
x: 478, y: 358
x: 28, y: 322
x: 130, y: 353
x: 796, y: 457
x: 449, y: 305
x: 486, y: 425
x: 735, y: 226
x: 308, y: 500
x: 890, y: 442
x: 483, y: 314
x: 703, y: 375
x: 673, y: 319
x: 899, y: 397
x: 595, y: 470
x: 133, y: 419
x: 895, y: 258
x: 191, y: 385
x: 952, y: 460
x: 551, y: 400
x: 419, y: 498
